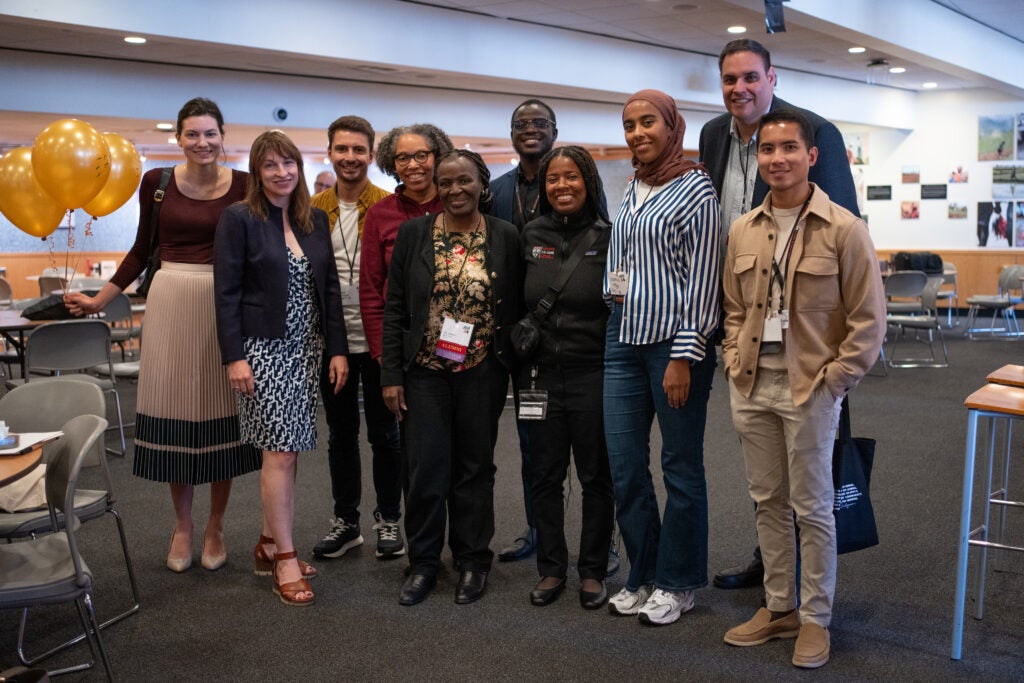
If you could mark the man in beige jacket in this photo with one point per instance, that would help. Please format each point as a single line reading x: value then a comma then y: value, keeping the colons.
x: 804, y: 321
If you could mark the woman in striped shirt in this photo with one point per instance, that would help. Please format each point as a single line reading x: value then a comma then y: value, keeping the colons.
x: 662, y: 279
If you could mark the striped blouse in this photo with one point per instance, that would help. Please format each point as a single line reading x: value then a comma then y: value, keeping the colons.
x: 668, y: 242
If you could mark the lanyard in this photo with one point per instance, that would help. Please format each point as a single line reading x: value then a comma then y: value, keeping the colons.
x: 349, y: 257
x: 449, y: 253
x: 519, y: 204
x: 744, y: 160
x: 787, y: 251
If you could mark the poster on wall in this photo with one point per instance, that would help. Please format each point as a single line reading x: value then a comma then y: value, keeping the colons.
x: 957, y: 211
x: 910, y: 211
x: 879, y: 192
x: 933, y: 192
x: 995, y: 138
x: 958, y: 174
x: 995, y: 224
x: 1020, y: 137
x: 1008, y: 182
x: 910, y: 175
x: 857, y: 148
x: 1018, y: 224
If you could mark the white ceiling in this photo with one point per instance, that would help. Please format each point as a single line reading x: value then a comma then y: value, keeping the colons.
x: 811, y: 44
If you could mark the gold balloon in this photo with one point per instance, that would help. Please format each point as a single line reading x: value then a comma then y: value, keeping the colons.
x: 125, y: 172
x: 71, y: 161
x: 22, y: 198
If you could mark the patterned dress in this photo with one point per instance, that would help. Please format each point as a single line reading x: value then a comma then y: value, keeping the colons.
x: 281, y: 415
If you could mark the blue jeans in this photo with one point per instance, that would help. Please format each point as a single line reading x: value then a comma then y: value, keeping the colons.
x: 669, y: 551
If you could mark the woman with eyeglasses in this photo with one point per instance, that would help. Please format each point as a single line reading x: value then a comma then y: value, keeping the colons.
x: 408, y: 154
x: 278, y: 306
x: 454, y: 293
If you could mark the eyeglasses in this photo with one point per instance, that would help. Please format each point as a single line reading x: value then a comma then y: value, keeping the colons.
x: 539, y: 124
x: 420, y: 157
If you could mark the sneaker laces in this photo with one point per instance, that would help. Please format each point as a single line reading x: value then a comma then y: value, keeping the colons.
x: 387, y: 531
x: 338, y: 528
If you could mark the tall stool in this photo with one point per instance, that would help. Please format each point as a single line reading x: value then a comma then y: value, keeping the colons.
x: 997, y: 402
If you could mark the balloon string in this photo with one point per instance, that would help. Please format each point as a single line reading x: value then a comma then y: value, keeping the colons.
x: 87, y: 230
x: 67, y: 252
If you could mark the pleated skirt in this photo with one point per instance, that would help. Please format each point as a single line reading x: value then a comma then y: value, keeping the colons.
x: 186, y: 429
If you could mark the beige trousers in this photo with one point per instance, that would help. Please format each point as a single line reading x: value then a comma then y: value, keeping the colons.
x: 787, y: 450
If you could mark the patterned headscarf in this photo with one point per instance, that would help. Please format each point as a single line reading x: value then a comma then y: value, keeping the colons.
x: 670, y: 163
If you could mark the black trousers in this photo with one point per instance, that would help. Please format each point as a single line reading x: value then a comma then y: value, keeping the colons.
x: 574, y: 423
x: 342, y: 410
x: 448, y: 437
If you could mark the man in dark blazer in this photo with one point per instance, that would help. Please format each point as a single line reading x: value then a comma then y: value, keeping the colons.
x: 728, y: 149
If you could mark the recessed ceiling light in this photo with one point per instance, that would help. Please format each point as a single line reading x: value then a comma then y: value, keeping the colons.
x: 896, y: 70
x: 172, y: 140
x: 165, y: 126
x: 135, y: 40
x: 929, y: 85
x: 856, y: 50
x: 737, y: 29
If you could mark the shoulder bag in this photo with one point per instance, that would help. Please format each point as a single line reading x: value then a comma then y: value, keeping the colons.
x: 526, y: 333
x: 851, y: 476
x: 153, y: 262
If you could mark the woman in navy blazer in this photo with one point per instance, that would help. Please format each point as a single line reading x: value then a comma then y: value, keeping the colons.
x: 278, y: 302
x: 458, y: 271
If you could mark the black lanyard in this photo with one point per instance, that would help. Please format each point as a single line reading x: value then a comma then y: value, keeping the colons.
x: 777, y: 272
x: 349, y: 257
x: 519, y: 203
x: 744, y: 161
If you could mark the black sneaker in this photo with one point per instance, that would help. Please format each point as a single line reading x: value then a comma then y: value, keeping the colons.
x: 389, y: 538
x: 342, y: 537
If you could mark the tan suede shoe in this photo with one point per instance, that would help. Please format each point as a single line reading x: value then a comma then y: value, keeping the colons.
x: 761, y: 629
x: 812, y: 647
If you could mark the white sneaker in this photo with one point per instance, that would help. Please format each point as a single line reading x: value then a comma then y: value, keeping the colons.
x: 664, y: 607
x: 627, y: 603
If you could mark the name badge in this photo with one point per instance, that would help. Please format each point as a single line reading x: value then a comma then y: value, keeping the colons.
x: 454, y: 340
x: 349, y: 295
x: 618, y: 283
x: 533, y: 404
x: 772, y: 331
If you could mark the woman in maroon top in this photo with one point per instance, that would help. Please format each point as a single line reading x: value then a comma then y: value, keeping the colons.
x: 186, y: 428
x: 408, y: 154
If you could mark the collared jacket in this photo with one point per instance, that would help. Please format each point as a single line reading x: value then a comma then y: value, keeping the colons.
x: 250, y: 277
x: 834, y: 293
x: 327, y: 201
x: 411, y: 282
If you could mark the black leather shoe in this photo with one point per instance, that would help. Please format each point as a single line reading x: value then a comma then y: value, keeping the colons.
x: 415, y: 589
x: 741, y: 577
x: 596, y: 600
x: 472, y: 586
x: 520, y: 548
x: 545, y: 596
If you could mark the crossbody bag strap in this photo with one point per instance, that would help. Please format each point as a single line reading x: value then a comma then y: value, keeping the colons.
x: 158, y: 200
x: 545, y: 305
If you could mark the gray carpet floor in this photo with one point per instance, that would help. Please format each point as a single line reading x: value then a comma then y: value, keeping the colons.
x: 893, y: 604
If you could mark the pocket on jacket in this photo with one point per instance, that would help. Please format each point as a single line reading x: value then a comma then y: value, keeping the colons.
x: 744, y: 270
x: 817, y: 283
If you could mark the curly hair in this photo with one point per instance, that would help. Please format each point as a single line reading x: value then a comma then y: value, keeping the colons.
x: 436, y: 138
x: 299, y: 207
x: 591, y: 179
x: 482, y: 172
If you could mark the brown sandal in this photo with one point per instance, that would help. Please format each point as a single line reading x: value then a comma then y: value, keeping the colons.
x: 289, y: 592
x: 265, y: 563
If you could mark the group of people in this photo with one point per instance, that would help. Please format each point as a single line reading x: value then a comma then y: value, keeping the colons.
x: 416, y: 296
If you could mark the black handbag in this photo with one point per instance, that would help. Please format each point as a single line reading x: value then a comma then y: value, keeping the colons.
x: 153, y: 262
x: 50, y: 307
x: 525, y: 335
x: 852, y: 460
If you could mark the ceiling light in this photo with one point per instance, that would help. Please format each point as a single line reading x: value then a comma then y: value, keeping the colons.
x: 135, y: 40
x: 929, y: 85
x: 165, y: 126
x: 897, y: 70
x: 172, y: 140
x: 737, y: 29
x: 856, y: 50
x: 327, y: 161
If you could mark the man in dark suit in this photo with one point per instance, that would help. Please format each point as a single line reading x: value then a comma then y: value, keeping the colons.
x: 728, y: 149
